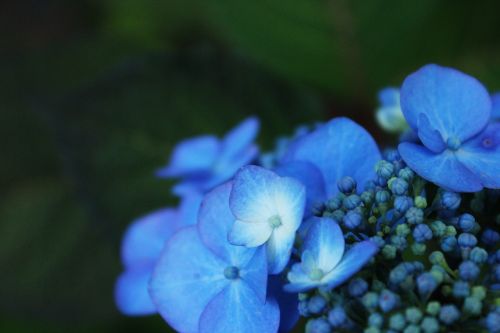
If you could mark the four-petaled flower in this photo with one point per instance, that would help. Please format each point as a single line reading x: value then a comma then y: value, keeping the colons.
x: 204, y: 162
x: 323, y: 261
x: 202, y: 283
x: 268, y: 209
x: 450, y: 111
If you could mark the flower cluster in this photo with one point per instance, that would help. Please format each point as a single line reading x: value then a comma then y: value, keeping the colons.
x: 328, y: 228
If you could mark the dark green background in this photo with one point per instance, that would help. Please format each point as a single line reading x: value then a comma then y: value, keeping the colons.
x: 94, y: 94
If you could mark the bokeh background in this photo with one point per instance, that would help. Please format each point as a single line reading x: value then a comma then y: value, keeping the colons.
x: 95, y: 93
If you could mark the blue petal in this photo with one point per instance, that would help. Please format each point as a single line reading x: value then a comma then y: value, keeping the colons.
x: 239, y: 139
x: 354, y: 259
x: 186, y: 278
x: 456, y: 104
x: 251, y: 200
x: 339, y: 148
x: 131, y: 292
x: 495, y: 106
x: 430, y: 137
x: 238, y: 309
x: 259, y: 194
x: 249, y: 234
x: 288, y: 303
x: 308, y: 175
x: 481, y: 155
x: 299, y: 280
x: 144, y: 239
x: 188, y: 209
x: 325, y: 241
x: 192, y: 156
x: 214, y: 223
x: 442, y: 169
x: 279, y: 249
x: 254, y: 273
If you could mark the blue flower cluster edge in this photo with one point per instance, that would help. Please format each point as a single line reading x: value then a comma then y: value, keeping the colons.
x: 326, y: 223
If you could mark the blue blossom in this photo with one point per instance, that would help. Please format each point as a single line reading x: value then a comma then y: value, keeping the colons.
x: 202, y: 283
x: 206, y: 161
x: 268, y: 210
x: 336, y: 149
x: 323, y: 261
x: 450, y: 111
x: 140, y: 250
x: 389, y: 114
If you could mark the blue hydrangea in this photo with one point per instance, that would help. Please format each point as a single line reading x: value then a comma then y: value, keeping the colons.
x: 323, y: 261
x: 202, y: 283
x: 450, y: 111
x: 206, y: 161
x: 268, y: 210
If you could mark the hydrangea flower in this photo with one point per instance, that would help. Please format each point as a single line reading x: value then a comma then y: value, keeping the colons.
x: 334, y: 150
x: 268, y: 210
x: 204, y: 162
x: 141, y: 248
x: 202, y: 283
x: 450, y: 111
x: 323, y: 261
x: 389, y: 114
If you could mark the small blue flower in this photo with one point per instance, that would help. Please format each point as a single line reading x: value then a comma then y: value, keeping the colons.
x: 490, y: 237
x: 466, y: 240
x: 466, y: 222
x: 357, y: 287
x: 268, y: 210
x: 202, y: 283
x: 426, y: 284
x: 389, y: 114
x: 352, y: 219
x: 346, y: 185
x: 323, y: 260
x: 316, y: 304
x: 388, y: 300
x: 450, y: 111
x: 140, y: 250
x: 403, y: 203
x: 468, y: 270
x: 206, y: 161
x: 318, y: 325
x: 493, y: 321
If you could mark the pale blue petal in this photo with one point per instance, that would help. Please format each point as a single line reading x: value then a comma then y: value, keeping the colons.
x: 325, y: 241
x: 310, y: 177
x: 259, y: 194
x: 186, y: 278
x: 299, y: 281
x: 238, y: 309
x: 339, y: 148
x: 354, y: 259
x: 279, y: 249
x: 144, y: 239
x: 289, y: 198
x: 456, y: 104
x: 288, y: 303
x: 481, y: 155
x: 442, y: 169
x: 131, y: 292
x: 495, y: 106
x: 251, y: 199
x: 196, y: 155
x: 249, y: 234
x: 239, y: 138
x: 215, y: 222
x: 254, y: 273
x: 430, y: 137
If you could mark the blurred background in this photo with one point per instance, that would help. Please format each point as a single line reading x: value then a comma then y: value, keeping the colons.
x: 95, y: 93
